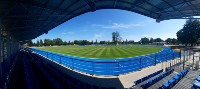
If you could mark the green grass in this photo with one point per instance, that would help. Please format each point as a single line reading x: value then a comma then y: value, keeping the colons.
x: 103, y: 51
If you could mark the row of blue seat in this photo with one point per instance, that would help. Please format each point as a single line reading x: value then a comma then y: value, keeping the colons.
x: 196, y: 84
x: 156, y: 79
x: 147, y: 77
x: 174, y: 80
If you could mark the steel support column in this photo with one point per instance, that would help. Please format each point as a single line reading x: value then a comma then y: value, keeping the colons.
x: 1, y: 52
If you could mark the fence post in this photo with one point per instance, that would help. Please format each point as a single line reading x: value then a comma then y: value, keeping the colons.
x: 140, y: 63
x: 155, y: 59
x: 193, y: 60
x: 72, y: 63
x: 173, y: 59
x: 47, y: 54
x: 93, y: 67
x: 183, y: 59
x: 52, y: 57
x: 180, y: 53
x: 118, y: 69
x: 60, y: 59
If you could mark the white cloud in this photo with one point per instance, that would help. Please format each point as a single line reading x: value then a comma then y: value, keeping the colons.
x: 145, y: 35
x: 117, y: 26
x: 97, y: 36
x: 70, y: 32
x: 64, y: 33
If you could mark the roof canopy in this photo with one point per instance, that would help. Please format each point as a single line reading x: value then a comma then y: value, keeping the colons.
x: 28, y: 19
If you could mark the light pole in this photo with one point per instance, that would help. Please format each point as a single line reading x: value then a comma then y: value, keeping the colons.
x: 193, y: 60
x: 183, y: 59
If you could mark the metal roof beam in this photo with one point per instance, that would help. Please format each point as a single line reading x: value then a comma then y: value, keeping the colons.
x: 177, y: 5
x: 35, y: 15
x: 66, y: 10
x: 194, y: 7
x: 45, y: 5
x: 39, y: 5
x: 10, y: 9
x: 91, y: 5
x: 135, y: 5
x: 115, y: 3
x: 36, y: 26
x: 156, y: 8
x: 173, y: 7
x: 54, y: 11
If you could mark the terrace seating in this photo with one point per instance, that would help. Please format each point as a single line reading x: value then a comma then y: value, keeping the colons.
x: 174, y: 80
x: 196, y: 83
x: 148, y: 76
x: 156, y: 79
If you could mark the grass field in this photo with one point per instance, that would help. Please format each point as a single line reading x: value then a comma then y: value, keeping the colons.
x: 103, y: 51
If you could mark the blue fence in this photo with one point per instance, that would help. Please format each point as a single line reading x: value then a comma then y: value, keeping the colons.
x: 110, y: 66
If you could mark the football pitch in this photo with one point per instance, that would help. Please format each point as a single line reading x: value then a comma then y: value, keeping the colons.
x: 103, y: 51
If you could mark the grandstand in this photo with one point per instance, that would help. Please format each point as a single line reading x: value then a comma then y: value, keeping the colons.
x: 27, y: 68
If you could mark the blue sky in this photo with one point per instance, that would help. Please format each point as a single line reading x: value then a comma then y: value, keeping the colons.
x: 100, y: 25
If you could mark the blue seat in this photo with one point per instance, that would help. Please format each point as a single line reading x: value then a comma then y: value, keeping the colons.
x: 180, y: 75
x: 176, y: 78
x: 171, y: 82
x: 196, y: 84
x: 198, y: 78
x: 149, y: 83
x: 166, y: 85
x: 144, y: 86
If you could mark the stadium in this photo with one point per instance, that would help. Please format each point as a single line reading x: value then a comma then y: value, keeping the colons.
x: 107, y: 65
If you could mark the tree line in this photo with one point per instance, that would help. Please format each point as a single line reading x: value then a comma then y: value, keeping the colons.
x: 59, y: 42
x: 190, y: 33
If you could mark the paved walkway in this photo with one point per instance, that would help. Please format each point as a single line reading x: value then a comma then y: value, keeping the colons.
x: 127, y: 80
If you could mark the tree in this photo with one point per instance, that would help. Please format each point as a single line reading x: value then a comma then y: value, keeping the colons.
x: 116, y: 38
x: 92, y: 42
x: 190, y: 32
x: 38, y: 43
x: 144, y: 40
x: 96, y: 42
x: 69, y: 43
x: 126, y: 41
x: 47, y: 42
x: 41, y: 42
x: 151, y: 40
x: 59, y: 41
x: 168, y: 40
x: 174, y: 41
x: 65, y: 43
x: 131, y: 41
x: 158, y: 40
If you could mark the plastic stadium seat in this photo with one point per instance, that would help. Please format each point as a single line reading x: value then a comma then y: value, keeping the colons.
x: 176, y: 78
x: 198, y: 78
x: 166, y: 85
x: 144, y: 86
x: 196, y: 84
x: 180, y: 75
x: 171, y: 82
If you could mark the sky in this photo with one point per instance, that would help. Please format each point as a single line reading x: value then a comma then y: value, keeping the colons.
x: 100, y: 24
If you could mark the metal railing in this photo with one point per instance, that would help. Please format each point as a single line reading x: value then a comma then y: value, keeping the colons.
x: 109, y: 66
